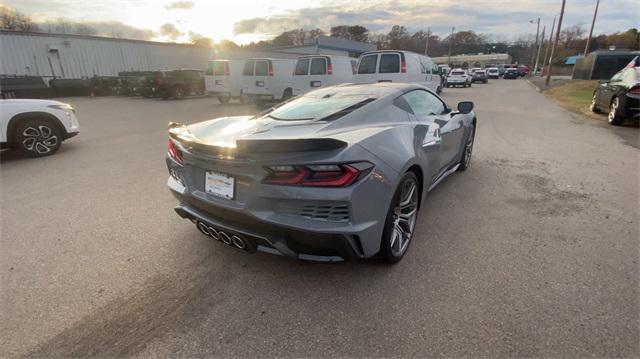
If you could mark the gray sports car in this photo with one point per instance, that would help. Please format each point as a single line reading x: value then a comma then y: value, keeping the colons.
x: 338, y: 173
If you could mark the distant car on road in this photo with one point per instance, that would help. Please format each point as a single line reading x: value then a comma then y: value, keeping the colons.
x: 36, y: 127
x: 337, y: 173
x: 458, y: 77
x: 480, y: 76
x: 180, y: 83
x: 510, y: 74
x: 493, y: 73
x: 620, y: 95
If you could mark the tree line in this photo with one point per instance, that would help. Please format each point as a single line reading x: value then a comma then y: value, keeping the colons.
x: 572, y: 39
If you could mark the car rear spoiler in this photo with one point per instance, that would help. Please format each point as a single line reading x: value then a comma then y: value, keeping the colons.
x: 245, y: 147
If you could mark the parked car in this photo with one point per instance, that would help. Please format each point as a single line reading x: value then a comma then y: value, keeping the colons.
x: 398, y: 66
x: 36, y: 127
x: 444, y: 70
x: 223, y: 79
x: 473, y: 70
x: 337, y: 173
x: 151, y: 84
x: 480, y: 76
x: 523, y: 70
x: 511, y: 73
x: 315, y: 71
x: 458, y: 77
x: 267, y: 79
x: 493, y: 73
x: 620, y: 95
x: 180, y: 83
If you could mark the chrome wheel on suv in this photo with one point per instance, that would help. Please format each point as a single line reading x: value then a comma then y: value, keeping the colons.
x: 37, y: 138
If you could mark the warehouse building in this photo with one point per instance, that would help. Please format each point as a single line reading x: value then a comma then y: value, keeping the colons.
x: 65, y: 56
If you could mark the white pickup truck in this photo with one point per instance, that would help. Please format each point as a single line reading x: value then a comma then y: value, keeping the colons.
x: 36, y: 127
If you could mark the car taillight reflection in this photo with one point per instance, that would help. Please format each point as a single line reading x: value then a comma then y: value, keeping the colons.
x: 174, y: 152
x: 332, y: 175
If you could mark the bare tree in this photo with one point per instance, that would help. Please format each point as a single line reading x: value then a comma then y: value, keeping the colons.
x: 10, y: 19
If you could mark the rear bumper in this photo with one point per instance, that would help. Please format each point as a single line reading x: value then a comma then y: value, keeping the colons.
x: 269, y: 238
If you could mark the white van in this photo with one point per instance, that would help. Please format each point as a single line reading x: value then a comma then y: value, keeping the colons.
x: 267, y: 79
x: 223, y: 79
x: 398, y: 66
x: 315, y: 71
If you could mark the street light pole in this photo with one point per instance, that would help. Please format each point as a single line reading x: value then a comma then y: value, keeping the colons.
x: 451, y: 43
x: 533, y: 54
x: 593, y: 22
x: 555, y: 43
x: 426, y: 46
x: 535, y: 67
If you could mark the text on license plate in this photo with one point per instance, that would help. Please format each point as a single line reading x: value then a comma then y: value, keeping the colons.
x: 219, y: 184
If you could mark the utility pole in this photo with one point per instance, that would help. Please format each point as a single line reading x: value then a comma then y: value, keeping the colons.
x: 555, y: 43
x: 593, y: 23
x: 426, y: 46
x: 546, y: 49
x: 535, y: 67
x: 451, y: 43
x: 533, y: 54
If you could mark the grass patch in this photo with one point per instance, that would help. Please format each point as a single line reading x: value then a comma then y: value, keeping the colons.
x: 574, y: 95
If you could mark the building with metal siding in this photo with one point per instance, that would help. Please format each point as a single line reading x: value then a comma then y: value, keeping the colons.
x: 75, y: 56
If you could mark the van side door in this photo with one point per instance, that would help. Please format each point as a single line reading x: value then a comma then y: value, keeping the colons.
x: 300, y: 76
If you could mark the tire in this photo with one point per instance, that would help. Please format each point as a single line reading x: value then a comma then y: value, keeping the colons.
x: 467, y: 151
x: 594, y: 106
x: 615, y: 117
x: 37, y: 137
x: 287, y: 94
x: 224, y: 99
x: 178, y: 93
x: 401, y: 219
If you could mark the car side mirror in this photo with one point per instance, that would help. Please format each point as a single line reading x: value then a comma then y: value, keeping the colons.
x: 465, y: 107
x: 603, y: 81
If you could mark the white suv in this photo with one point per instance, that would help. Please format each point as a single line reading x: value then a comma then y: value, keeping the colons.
x: 36, y: 127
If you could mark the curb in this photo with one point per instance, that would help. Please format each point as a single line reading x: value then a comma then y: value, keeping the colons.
x: 533, y: 85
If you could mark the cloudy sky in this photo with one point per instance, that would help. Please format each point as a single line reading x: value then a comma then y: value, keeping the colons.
x: 245, y: 21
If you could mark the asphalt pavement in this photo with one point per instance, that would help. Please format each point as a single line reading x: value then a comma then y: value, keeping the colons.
x: 533, y: 251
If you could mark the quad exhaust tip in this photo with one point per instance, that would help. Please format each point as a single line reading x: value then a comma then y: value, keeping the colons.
x: 226, y: 238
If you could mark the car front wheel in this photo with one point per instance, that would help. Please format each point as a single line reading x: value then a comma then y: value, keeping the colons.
x: 615, y: 117
x: 37, y: 138
x: 401, y: 219
x: 593, y: 107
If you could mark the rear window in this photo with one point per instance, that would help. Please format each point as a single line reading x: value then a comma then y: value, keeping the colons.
x: 319, y: 66
x: 217, y: 68
x: 367, y: 64
x: 457, y: 72
x: 248, y: 68
x: 389, y: 63
x: 309, y: 108
x: 302, y: 67
x: 262, y: 68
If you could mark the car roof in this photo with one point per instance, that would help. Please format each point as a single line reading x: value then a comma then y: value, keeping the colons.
x: 379, y: 89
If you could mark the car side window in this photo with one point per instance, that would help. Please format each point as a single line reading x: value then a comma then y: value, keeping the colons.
x: 248, y: 68
x: 368, y: 64
x: 318, y: 66
x: 302, y: 67
x: 424, y: 103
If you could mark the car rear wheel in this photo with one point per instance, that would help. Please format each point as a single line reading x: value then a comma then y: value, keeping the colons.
x: 401, y: 219
x: 615, y: 117
x: 465, y: 161
x: 37, y: 138
x: 178, y: 93
x: 594, y: 107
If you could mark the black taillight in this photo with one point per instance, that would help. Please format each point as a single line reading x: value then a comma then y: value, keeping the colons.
x: 323, y: 175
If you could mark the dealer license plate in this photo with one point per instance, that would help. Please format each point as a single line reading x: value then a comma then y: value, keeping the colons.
x: 219, y: 184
